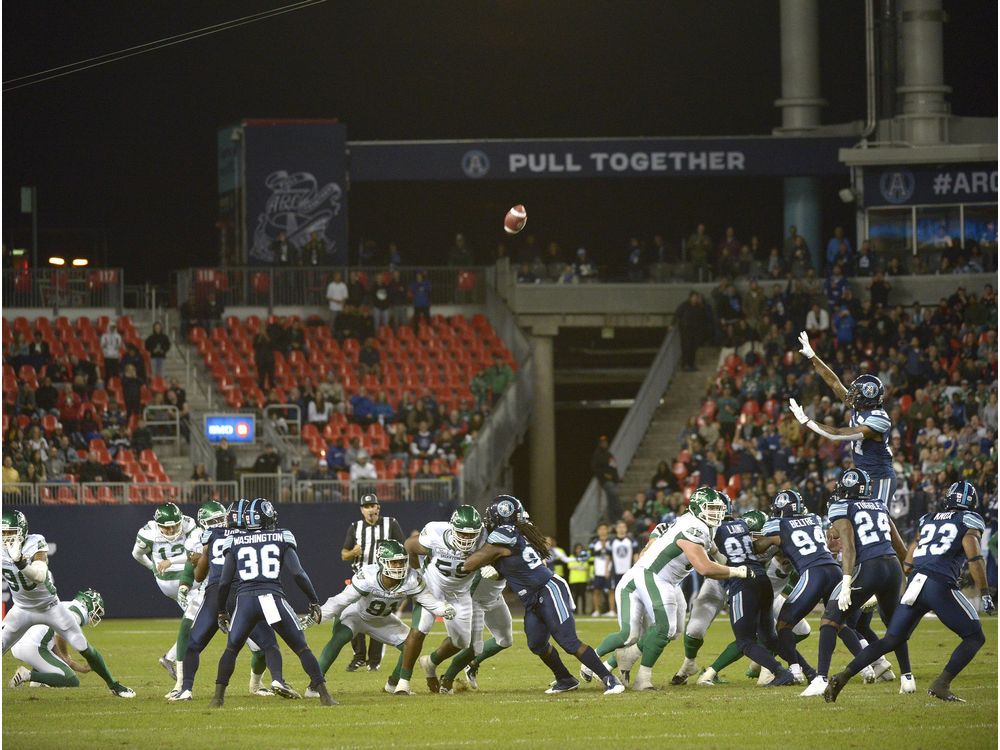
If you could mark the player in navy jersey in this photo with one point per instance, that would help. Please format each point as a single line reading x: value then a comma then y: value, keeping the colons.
x: 946, y: 540
x: 208, y: 568
x: 871, y: 552
x: 800, y: 537
x: 869, y: 428
x: 253, y: 561
x: 518, y: 550
x: 750, y: 599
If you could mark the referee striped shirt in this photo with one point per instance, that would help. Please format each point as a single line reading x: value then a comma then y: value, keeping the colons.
x: 369, y: 535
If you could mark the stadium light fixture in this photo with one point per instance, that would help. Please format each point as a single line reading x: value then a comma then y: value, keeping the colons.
x: 80, y: 262
x: 55, y: 260
x: 846, y: 195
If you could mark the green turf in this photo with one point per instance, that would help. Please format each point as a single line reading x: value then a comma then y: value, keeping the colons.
x: 509, y: 710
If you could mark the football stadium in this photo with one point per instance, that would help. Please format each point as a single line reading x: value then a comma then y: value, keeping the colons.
x: 500, y: 374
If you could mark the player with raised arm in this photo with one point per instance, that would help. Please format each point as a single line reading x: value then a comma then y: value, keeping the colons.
x: 871, y: 552
x: 445, y: 545
x: 45, y: 651
x: 945, y: 541
x: 34, y: 598
x: 367, y: 606
x: 208, y: 569
x: 517, y: 550
x: 869, y: 428
x: 256, y: 559
x: 161, y: 547
x: 800, y: 538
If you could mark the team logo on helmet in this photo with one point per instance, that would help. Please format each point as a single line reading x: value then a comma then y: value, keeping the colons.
x: 869, y: 390
x: 505, y: 508
x: 850, y: 479
x: 782, y: 500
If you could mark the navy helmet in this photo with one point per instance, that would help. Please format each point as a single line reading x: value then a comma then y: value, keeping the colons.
x: 787, y: 503
x: 962, y: 495
x: 866, y: 392
x: 855, y: 484
x: 730, y: 508
x: 505, y: 509
x: 234, y: 514
x: 260, y: 514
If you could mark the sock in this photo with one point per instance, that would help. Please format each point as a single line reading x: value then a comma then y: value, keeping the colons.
x: 960, y: 657
x: 652, y: 645
x: 311, y: 667
x: 183, y: 633
x: 554, y: 663
x: 593, y: 662
x: 405, y: 674
x: 612, y: 642
x: 762, y: 656
x: 227, y: 663
x: 786, y: 645
x: 172, y: 653
x: 692, y: 645
x: 827, y: 643
x: 192, y: 660
x: 435, y: 658
x: 96, y: 662
x: 341, y: 636
x: 490, y: 648
x: 257, y: 662
x: 399, y: 666
x: 730, y: 654
x: 55, y: 680
x: 612, y: 661
x: 460, y: 661
x: 903, y: 657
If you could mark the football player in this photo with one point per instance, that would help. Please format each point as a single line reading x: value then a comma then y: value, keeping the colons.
x: 800, y: 538
x: 869, y: 428
x: 257, y: 558
x: 445, y: 545
x: 208, y: 568
x: 869, y: 538
x: 368, y: 604
x: 161, y: 546
x: 34, y: 598
x: 516, y: 550
x: 45, y: 651
x: 934, y: 560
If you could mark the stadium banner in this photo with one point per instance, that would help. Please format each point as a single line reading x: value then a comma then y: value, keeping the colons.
x: 240, y: 429
x: 752, y: 156
x: 91, y: 547
x: 295, y: 181
x: 934, y: 185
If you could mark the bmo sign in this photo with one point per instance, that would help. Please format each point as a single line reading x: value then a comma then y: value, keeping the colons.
x: 236, y: 428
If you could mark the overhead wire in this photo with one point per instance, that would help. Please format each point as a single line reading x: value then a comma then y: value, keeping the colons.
x: 109, y: 57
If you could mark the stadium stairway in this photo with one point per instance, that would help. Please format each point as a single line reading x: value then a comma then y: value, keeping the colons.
x: 660, y: 441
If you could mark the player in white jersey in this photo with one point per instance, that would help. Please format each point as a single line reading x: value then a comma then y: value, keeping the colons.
x: 49, y: 662
x: 368, y: 604
x: 445, y: 545
x: 34, y: 598
x: 162, y: 547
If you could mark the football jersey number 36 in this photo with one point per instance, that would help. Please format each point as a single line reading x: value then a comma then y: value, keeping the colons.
x: 266, y: 563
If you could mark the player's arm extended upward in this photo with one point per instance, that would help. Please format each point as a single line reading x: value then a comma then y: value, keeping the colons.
x: 828, y: 375
x: 485, y: 555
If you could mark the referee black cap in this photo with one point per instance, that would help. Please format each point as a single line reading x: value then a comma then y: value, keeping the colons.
x: 369, y: 499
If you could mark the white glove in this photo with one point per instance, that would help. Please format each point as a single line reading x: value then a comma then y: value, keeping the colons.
x: 13, y: 551
x: 797, y: 412
x: 740, y: 571
x: 844, y: 598
x: 449, y: 612
x: 489, y: 573
x: 182, y: 596
x: 869, y: 605
x: 806, y: 350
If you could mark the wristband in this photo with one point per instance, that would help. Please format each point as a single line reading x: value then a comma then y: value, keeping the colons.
x: 977, y: 557
x: 21, y: 564
x: 907, y: 566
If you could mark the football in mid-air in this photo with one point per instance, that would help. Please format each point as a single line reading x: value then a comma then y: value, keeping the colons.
x: 515, y: 219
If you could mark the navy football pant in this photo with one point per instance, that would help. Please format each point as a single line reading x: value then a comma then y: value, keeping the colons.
x: 750, y: 604
x: 956, y: 613
x: 814, y: 585
x: 248, y: 613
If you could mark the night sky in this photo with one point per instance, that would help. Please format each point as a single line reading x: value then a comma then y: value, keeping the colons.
x: 124, y: 155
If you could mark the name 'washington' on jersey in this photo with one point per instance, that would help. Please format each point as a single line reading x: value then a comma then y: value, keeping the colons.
x: 665, y: 559
x: 870, y: 521
x: 259, y: 555
x: 376, y: 600
x: 874, y: 456
x: 24, y: 592
x: 215, y: 539
x: 939, y: 551
x: 150, y: 540
x: 803, y: 540
x: 524, y: 570
x: 443, y: 568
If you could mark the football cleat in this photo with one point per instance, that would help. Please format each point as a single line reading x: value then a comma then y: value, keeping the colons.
x: 689, y: 668
x: 471, y: 672
x: 626, y: 676
x: 310, y: 693
x: 610, y: 613
x: 880, y: 667
x: 121, y: 691
x: 586, y: 673
x: 753, y: 671
x: 643, y: 679
x: 170, y: 665
x: 834, y: 686
x: 942, y: 690
x: 710, y: 677
x: 21, y: 676
x: 262, y: 692
x: 430, y: 670
x: 373, y: 667
x: 796, y: 670
x: 403, y: 688
x: 783, y: 678
x: 887, y: 676
x: 172, y: 694
x: 612, y: 685
x: 356, y: 664
x: 816, y: 687
x: 179, y: 695
x: 868, y: 675
x: 284, y: 690
x: 766, y: 677
x: 389, y: 687
x: 446, y: 687
x: 907, y: 684
x: 563, y: 686
x: 628, y: 657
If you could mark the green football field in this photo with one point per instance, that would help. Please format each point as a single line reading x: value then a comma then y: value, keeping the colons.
x: 509, y: 709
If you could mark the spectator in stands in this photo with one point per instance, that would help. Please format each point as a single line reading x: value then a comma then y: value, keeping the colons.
x: 134, y: 358
x: 111, y: 345
x: 46, y: 396
x: 277, y: 331
x: 157, y: 344
x: 420, y: 413
x: 142, y: 436
x: 332, y: 391
x: 363, y: 468
x: 817, y: 320
x: 369, y: 359
x: 583, y: 267
x: 728, y: 411
x: 382, y: 409
x: 635, y: 260
x: 295, y: 338
x: 319, y: 412
x: 35, y: 473
x: 336, y: 296
x: 225, y: 462
x: 423, y: 446
x: 268, y: 462
x: 525, y: 274
x: 354, y: 447
x: 663, y: 479
x: 336, y: 456
x: 17, y: 353
x: 448, y: 447
x: 489, y: 384
x: 879, y: 290
x: 10, y: 474
x: 695, y: 325
x: 381, y: 303
x: 282, y: 251
x: 844, y: 325
x: 38, y: 352
x: 263, y: 353
x: 132, y: 390
x: 85, y: 368
x: 200, y: 474
x: 399, y: 443
x: 567, y: 275
x: 314, y: 251
x: 791, y: 243
x: 362, y: 407
x: 420, y: 294
x: 398, y: 299
x: 835, y: 286
x: 357, y: 289
x: 838, y: 248
x: 460, y: 255
x: 699, y: 248
x: 604, y: 467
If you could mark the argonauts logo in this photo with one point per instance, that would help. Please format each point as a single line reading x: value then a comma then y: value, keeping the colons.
x: 505, y: 508
x: 475, y: 163
x: 898, y: 186
x: 782, y: 500
x: 850, y: 479
x: 869, y: 390
x: 298, y: 206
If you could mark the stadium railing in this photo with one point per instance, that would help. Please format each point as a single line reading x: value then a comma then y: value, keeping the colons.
x: 117, y: 493
x: 292, y: 426
x: 164, y: 423
x: 57, y: 288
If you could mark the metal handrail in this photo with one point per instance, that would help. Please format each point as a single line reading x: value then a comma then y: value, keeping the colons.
x: 173, y: 418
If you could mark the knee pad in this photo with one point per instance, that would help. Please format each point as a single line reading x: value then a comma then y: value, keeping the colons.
x: 539, y: 649
x: 802, y: 627
x: 77, y: 640
x: 504, y: 641
x: 570, y: 646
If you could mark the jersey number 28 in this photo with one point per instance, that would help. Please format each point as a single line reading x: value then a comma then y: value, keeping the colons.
x: 266, y: 563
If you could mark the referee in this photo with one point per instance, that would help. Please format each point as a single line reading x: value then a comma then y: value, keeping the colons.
x: 359, y: 549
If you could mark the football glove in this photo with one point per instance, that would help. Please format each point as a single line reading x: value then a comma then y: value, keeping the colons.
x: 182, y: 595
x: 988, y: 606
x: 844, y: 597
x: 449, y: 612
x: 797, y: 411
x: 224, y: 622
x: 806, y: 350
x: 316, y: 612
x: 740, y: 571
x: 870, y: 605
x: 489, y: 573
